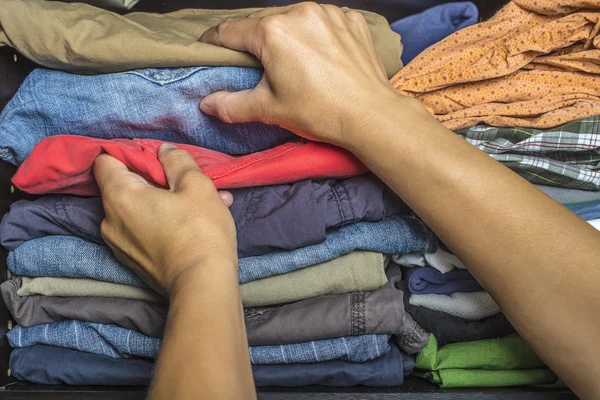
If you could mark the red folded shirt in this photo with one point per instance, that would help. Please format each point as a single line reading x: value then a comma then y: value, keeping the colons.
x: 63, y: 164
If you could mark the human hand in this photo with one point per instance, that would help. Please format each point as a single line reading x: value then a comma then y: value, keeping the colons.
x: 323, y: 78
x: 159, y: 233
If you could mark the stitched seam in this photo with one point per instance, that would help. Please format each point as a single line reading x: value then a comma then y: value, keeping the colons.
x: 248, y: 163
x: 334, y: 194
x: 353, y: 327
x: 349, y: 200
x: 255, y: 200
x: 358, y: 313
x: 340, y: 200
x: 363, y: 314
x: 254, y: 316
x: 411, y: 337
x: 272, y: 154
x: 156, y: 77
x: 71, y: 224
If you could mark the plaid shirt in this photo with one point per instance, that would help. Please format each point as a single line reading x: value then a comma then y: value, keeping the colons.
x: 566, y: 156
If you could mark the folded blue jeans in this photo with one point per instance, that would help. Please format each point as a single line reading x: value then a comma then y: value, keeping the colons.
x: 117, y: 342
x: 73, y: 257
x: 151, y: 103
x: 268, y: 218
x: 50, y: 365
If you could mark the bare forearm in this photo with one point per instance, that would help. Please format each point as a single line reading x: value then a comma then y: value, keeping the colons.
x: 537, y: 259
x: 205, y: 350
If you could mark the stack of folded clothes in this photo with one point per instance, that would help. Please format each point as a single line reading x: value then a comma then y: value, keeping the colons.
x: 338, y: 310
x: 314, y: 232
x: 529, y: 78
x: 471, y: 343
x: 341, y: 283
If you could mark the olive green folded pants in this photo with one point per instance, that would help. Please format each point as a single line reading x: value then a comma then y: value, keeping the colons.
x: 354, y: 272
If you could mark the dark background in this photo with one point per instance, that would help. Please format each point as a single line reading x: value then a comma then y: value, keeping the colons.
x: 391, y: 9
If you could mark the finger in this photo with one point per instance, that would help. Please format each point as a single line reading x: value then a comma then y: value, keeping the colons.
x: 358, y: 20
x: 181, y: 169
x: 238, y: 34
x: 360, y: 29
x: 237, y: 107
x: 270, y: 11
x: 110, y: 172
x: 227, y: 197
x: 336, y: 16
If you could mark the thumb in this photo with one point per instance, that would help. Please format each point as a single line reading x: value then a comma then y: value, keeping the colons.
x: 236, y: 107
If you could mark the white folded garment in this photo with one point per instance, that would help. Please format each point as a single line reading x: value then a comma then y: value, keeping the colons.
x: 440, y: 260
x: 469, y: 306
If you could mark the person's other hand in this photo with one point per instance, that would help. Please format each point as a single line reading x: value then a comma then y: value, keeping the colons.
x: 323, y: 77
x: 160, y: 233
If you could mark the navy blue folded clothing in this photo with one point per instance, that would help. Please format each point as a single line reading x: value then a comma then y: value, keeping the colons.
x: 427, y: 280
x: 422, y: 30
x: 385, y: 371
x: 51, y: 365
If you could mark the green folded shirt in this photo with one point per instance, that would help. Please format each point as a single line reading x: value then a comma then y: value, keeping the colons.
x: 505, y: 361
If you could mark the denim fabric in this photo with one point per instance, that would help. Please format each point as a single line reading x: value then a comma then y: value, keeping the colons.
x: 385, y: 371
x: 116, y: 342
x: 427, y: 280
x: 105, y: 339
x: 356, y: 271
x: 150, y: 103
x: 589, y: 211
x: 67, y: 256
x: 422, y: 30
x: 76, y: 258
x: 353, y: 348
x: 267, y: 218
x: 393, y: 235
x: 49, y: 365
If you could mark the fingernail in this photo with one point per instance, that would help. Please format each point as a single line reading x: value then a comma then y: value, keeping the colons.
x: 205, y: 107
x: 227, y: 198
x: 165, y: 147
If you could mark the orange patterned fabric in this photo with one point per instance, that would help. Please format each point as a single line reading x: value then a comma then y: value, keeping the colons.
x: 535, y: 64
